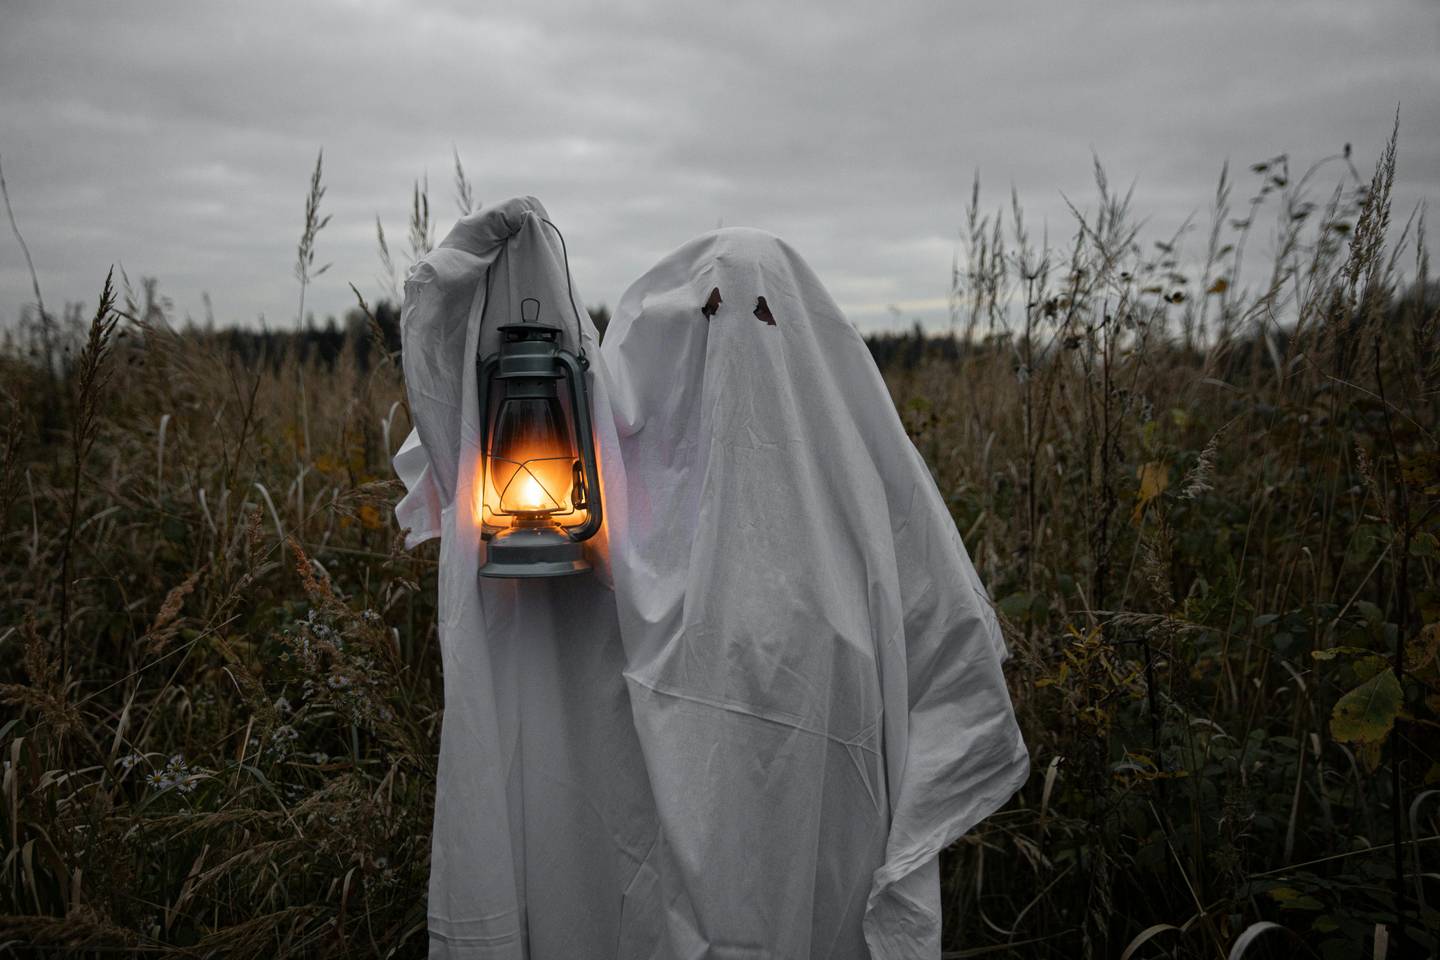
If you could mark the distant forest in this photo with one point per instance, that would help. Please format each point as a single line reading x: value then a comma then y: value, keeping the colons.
x: 362, y: 332
x: 367, y: 331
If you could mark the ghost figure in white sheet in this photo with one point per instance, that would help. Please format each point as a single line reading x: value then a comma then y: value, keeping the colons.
x: 749, y: 733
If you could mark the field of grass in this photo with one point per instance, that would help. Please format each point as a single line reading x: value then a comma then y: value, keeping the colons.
x: 1205, y: 503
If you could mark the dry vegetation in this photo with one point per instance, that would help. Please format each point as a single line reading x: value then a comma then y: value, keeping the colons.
x: 1205, y: 503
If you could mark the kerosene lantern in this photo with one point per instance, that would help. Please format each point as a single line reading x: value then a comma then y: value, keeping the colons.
x: 540, y: 490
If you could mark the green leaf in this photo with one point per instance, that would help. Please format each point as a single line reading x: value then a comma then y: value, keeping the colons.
x: 1330, y: 653
x: 1368, y: 666
x: 1291, y: 899
x: 1016, y: 605
x: 1366, y: 714
x: 1302, y: 903
x: 1371, y: 612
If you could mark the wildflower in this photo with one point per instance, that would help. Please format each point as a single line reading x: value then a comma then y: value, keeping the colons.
x: 127, y: 762
x: 282, y: 705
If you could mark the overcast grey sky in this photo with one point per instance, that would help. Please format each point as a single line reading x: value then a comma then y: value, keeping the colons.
x: 176, y: 139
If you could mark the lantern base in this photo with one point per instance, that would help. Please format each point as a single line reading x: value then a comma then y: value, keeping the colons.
x: 534, y: 551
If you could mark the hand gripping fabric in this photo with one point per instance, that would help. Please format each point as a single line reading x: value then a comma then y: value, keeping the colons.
x: 542, y: 806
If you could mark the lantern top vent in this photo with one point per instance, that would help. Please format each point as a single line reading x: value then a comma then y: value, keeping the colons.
x: 530, y: 328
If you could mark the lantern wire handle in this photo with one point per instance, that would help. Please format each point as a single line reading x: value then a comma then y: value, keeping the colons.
x: 569, y: 293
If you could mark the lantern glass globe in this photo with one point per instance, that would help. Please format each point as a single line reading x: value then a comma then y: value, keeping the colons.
x: 532, y: 458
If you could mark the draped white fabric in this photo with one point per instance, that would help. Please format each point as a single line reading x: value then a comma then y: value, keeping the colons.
x: 749, y: 733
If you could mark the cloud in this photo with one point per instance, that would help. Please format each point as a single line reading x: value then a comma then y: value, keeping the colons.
x: 177, y: 139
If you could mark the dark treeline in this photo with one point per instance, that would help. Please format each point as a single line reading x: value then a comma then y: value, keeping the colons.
x: 51, y: 342
x: 1243, y: 354
x: 371, y: 336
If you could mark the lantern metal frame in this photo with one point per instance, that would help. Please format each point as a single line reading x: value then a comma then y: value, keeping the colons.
x: 529, y: 364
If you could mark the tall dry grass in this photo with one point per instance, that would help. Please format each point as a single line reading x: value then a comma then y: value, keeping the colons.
x: 1204, y: 502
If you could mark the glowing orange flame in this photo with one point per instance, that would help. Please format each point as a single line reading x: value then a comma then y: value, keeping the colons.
x: 539, y: 485
x: 530, y: 495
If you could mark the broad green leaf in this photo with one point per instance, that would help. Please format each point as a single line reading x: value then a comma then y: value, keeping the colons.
x: 1291, y: 899
x: 1366, y: 714
x: 1016, y: 605
x: 1368, y: 666
x: 1371, y: 612
x: 1302, y: 903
